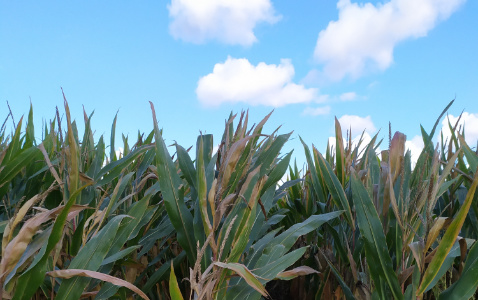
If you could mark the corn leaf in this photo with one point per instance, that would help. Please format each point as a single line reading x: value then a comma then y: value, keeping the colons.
x: 378, y: 258
x: 336, y: 190
x: 66, y: 274
x: 347, y: 292
x: 467, y: 284
x: 247, y: 275
x: 174, y: 290
x: 296, y: 272
x: 170, y: 183
x: 89, y: 257
x: 448, y: 239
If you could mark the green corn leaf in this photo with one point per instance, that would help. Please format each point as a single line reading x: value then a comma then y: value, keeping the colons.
x: 438, y: 119
x: 448, y: 263
x: 117, y: 192
x: 13, y: 167
x: 339, y: 153
x: 247, y: 275
x: 317, y: 187
x: 120, y: 255
x: 112, y: 139
x: 277, y: 172
x: 14, y: 148
x: 347, y: 292
x: 276, y: 264
x: 173, y: 197
x: 207, y: 141
x: 30, y: 130
x: 378, y: 258
x: 148, y: 240
x: 112, y: 170
x: 160, y: 274
x: 467, y: 284
x: 125, y: 232
x: 288, y: 238
x: 336, y: 190
x: 90, y: 258
x: 266, y: 158
x: 95, y: 166
x: 259, y: 246
x: 186, y: 165
x: 470, y: 155
x: 448, y: 239
x: 201, y: 186
x: 130, y: 225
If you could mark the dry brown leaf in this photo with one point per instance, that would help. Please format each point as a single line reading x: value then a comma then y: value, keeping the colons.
x: 299, y: 271
x: 14, y: 249
x: 440, y: 223
x: 9, y: 229
x: 50, y: 166
x: 66, y: 274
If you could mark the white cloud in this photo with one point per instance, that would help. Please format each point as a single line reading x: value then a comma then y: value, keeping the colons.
x: 230, y: 22
x: 322, y: 98
x: 365, y: 35
x: 357, y: 123
x: 316, y: 111
x: 237, y: 80
x: 470, y: 123
x: 415, y: 145
x: 349, y: 96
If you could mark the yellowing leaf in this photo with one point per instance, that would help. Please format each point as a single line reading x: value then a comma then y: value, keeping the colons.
x: 174, y: 290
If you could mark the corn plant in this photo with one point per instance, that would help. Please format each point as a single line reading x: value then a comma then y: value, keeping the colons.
x: 400, y: 231
x: 80, y: 220
x: 232, y: 194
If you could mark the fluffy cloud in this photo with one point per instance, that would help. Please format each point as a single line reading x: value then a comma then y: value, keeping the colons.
x: 230, y: 22
x: 316, y: 111
x: 358, y: 124
x: 365, y: 34
x: 350, y: 96
x: 237, y: 80
x: 470, y: 123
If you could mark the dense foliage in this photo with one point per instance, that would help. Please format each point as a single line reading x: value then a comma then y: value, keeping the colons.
x: 158, y: 222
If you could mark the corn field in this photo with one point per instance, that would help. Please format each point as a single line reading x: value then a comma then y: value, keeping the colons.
x: 160, y: 222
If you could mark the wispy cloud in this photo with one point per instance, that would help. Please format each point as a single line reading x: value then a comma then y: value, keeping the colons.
x: 349, y: 96
x: 365, y: 35
x: 230, y: 22
x: 316, y: 111
x: 237, y: 80
x: 357, y: 124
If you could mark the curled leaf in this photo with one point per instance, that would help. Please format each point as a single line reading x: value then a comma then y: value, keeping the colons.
x: 299, y: 271
x: 247, y: 275
x: 66, y: 274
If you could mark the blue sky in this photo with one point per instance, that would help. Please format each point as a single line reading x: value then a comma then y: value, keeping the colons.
x: 367, y: 63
